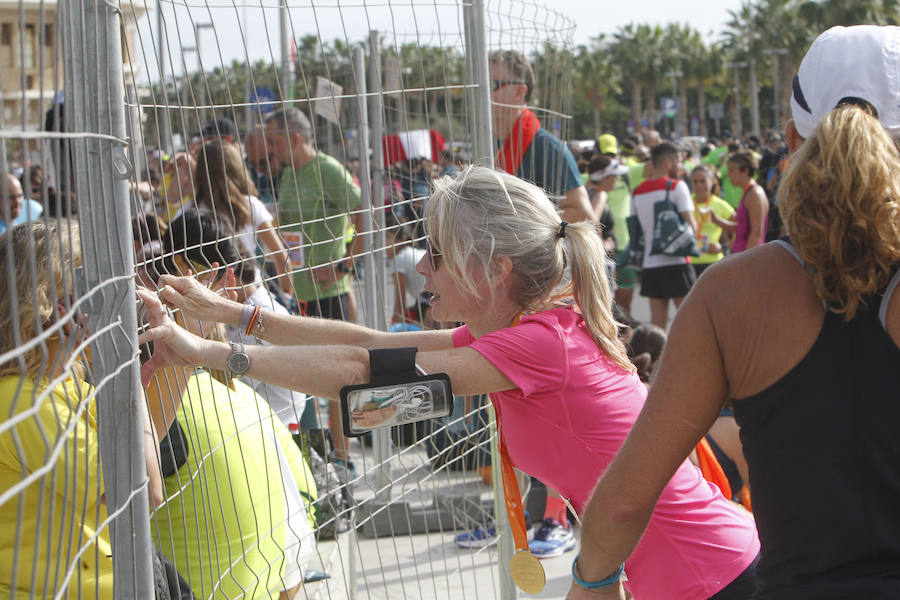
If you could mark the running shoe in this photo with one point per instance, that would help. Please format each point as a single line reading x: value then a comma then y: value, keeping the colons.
x: 345, y: 469
x: 552, y: 539
x: 477, y: 538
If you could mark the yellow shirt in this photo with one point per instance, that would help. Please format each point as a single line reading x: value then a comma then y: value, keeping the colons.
x: 51, y: 459
x: 709, y: 231
x: 223, y: 525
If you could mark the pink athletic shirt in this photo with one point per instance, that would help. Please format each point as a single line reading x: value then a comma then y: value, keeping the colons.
x: 570, y: 414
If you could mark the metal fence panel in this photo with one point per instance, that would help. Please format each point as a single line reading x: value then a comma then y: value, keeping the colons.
x: 397, y: 95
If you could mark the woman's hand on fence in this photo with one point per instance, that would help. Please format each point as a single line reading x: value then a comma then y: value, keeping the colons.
x: 198, y: 301
x: 173, y: 346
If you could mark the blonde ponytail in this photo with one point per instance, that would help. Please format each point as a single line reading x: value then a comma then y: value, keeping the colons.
x: 483, y: 213
x: 589, y: 287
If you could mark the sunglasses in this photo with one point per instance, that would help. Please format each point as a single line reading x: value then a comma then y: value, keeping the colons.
x: 433, y: 255
x: 496, y: 84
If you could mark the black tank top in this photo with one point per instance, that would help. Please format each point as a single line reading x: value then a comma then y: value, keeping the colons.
x: 823, y: 449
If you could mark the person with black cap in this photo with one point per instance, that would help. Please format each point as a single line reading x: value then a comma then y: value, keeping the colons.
x: 802, y: 337
x: 220, y: 128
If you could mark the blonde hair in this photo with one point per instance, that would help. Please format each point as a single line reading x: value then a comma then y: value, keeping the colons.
x: 841, y: 204
x: 222, y: 184
x: 28, y: 304
x: 482, y: 214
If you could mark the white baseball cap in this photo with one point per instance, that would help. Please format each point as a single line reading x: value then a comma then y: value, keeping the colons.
x: 613, y: 168
x: 849, y: 62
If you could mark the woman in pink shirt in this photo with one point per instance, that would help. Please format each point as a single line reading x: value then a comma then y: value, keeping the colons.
x: 752, y: 217
x: 545, y: 350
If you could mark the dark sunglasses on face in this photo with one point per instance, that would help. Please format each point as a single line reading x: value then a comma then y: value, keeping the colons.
x: 433, y: 255
x: 496, y: 84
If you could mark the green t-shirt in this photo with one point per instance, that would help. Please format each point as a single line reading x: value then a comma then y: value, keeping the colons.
x: 730, y: 193
x: 314, y: 205
x: 223, y: 525
x: 715, y: 156
x: 619, y: 201
x: 709, y: 229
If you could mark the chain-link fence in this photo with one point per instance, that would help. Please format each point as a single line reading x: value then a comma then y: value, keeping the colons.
x: 297, y: 145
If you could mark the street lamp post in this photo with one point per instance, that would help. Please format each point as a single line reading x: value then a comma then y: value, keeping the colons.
x: 202, y: 94
x: 185, y: 95
x: 776, y: 54
x: 165, y: 128
x: 737, y: 95
x: 675, y: 75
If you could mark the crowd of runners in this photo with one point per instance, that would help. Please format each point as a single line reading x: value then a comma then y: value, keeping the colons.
x: 709, y: 433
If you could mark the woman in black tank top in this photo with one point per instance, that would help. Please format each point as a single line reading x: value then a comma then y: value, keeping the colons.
x: 802, y: 336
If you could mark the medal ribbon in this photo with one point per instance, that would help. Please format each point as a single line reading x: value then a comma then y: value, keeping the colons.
x: 514, y: 510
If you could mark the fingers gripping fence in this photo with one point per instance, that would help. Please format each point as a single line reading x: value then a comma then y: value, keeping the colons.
x: 169, y: 140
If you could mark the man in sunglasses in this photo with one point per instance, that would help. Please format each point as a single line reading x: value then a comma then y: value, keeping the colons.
x: 527, y: 150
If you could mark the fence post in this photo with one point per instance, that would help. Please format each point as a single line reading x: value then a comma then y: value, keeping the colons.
x: 377, y: 110
x: 95, y: 98
x: 479, y: 81
x: 381, y: 439
x: 479, y: 98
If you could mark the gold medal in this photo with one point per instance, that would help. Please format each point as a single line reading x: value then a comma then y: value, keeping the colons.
x: 527, y: 572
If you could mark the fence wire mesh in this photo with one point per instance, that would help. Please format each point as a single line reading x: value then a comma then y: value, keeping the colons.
x: 295, y: 143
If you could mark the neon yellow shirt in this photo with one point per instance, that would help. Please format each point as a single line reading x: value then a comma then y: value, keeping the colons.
x: 636, y: 175
x: 619, y: 201
x: 61, y: 508
x: 223, y: 524
x: 709, y: 229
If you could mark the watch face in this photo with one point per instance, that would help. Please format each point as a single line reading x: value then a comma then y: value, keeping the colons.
x: 238, y: 362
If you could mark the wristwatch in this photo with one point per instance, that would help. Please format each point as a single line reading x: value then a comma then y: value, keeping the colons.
x: 238, y: 362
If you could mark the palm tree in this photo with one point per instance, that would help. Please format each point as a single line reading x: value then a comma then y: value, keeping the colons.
x: 553, y: 68
x: 684, y: 49
x: 823, y: 14
x: 707, y: 69
x: 597, y: 78
x: 776, y: 30
x: 638, y: 53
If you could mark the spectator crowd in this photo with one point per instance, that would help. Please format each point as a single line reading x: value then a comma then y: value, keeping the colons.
x: 706, y: 431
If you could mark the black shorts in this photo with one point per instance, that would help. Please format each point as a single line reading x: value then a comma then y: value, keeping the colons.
x: 673, y: 281
x: 698, y: 269
x: 335, y: 307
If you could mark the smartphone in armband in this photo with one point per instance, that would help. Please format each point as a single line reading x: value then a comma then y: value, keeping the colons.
x: 400, y: 392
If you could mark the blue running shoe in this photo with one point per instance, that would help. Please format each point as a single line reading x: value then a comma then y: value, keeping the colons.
x: 552, y: 539
x: 477, y: 538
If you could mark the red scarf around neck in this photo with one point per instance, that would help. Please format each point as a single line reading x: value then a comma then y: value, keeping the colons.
x: 510, y: 155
